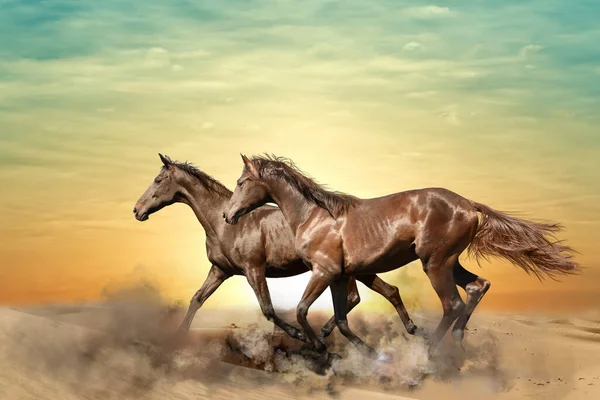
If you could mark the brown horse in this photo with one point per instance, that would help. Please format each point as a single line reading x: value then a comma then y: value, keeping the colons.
x: 340, y: 236
x: 260, y: 247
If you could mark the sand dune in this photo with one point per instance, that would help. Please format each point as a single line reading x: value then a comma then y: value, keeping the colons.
x: 86, y: 352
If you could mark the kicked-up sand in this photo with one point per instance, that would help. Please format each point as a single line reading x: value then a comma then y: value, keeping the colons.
x: 121, y: 349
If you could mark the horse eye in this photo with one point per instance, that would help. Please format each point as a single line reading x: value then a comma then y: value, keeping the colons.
x: 240, y: 184
x: 157, y: 181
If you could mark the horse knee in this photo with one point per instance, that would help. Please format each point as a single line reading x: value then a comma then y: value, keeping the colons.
x: 195, y: 301
x: 353, y: 298
x: 394, y: 295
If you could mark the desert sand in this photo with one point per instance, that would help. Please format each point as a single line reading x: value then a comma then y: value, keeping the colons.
x: 113, y: 350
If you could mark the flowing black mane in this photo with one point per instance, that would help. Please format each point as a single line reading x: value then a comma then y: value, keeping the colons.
x: 336, y: 203
x: 205, y: 180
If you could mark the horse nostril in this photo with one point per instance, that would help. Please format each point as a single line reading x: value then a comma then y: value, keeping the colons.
x: 134, y: 210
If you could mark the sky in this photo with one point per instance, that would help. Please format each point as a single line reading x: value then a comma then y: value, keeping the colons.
x: 496, y: 100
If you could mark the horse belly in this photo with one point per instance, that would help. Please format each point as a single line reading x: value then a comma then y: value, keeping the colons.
x: 284, y: 271
x: 367, y: 262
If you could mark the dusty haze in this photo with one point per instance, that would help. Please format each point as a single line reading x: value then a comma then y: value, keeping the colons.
x: 118, y: 349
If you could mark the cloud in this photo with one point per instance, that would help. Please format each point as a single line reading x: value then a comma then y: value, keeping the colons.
x: 411, y: 46
x: 157, y: 57
x: 259, y: 58
x: 422, y: 95
x: 450, y: 115
x: 268, y: 58
x: 430, y: 12
x: 530, y: 48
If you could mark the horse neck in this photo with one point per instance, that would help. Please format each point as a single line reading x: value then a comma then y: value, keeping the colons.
x: 295, y: 208
x: 208, y: 205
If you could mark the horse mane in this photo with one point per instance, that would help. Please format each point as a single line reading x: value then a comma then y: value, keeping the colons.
x: 210, y: 183
x: 336, y: 203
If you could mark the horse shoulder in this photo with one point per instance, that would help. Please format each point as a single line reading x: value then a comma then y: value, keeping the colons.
x: 319, y: 240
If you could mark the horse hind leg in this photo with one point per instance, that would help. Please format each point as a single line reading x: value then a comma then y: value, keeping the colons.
x: 391, y: 294
x: 475, y: 287
x: 439, y: 272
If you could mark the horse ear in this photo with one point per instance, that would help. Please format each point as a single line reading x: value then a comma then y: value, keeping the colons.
x: 165, y: 160
x: 250, y: 166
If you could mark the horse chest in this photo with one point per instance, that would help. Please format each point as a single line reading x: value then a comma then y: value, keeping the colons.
x: 217, y: 256
x: 213, y: 252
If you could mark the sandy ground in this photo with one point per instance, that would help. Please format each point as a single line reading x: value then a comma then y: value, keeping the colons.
x: 116, y: 350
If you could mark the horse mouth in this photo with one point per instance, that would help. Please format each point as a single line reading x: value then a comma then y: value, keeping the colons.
x: 234, y: 218
x: 143, y: 217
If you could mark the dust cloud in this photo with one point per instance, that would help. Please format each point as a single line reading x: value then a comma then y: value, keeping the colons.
x: 126, y: 348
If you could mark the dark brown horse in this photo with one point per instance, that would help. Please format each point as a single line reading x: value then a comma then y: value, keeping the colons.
x: 262, y: 246
x: 340, y: 236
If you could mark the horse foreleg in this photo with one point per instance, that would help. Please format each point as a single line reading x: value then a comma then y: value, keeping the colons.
x: 257, y: 280
x: 317, y: 284
x: 339, y: 293
x: 392, y: 294
x: 353, y: 300
x: 214, y: 279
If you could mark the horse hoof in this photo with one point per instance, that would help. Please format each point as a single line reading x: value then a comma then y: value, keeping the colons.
x: 460, y: 345
x: 311, y: 348
x: 320, y: 346
x: 422, y: 333
x: 332, y: 357
x: 411, y: 328
x: 433, y: 348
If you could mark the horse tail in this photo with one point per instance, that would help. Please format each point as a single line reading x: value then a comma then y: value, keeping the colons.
x: 527, y: 244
